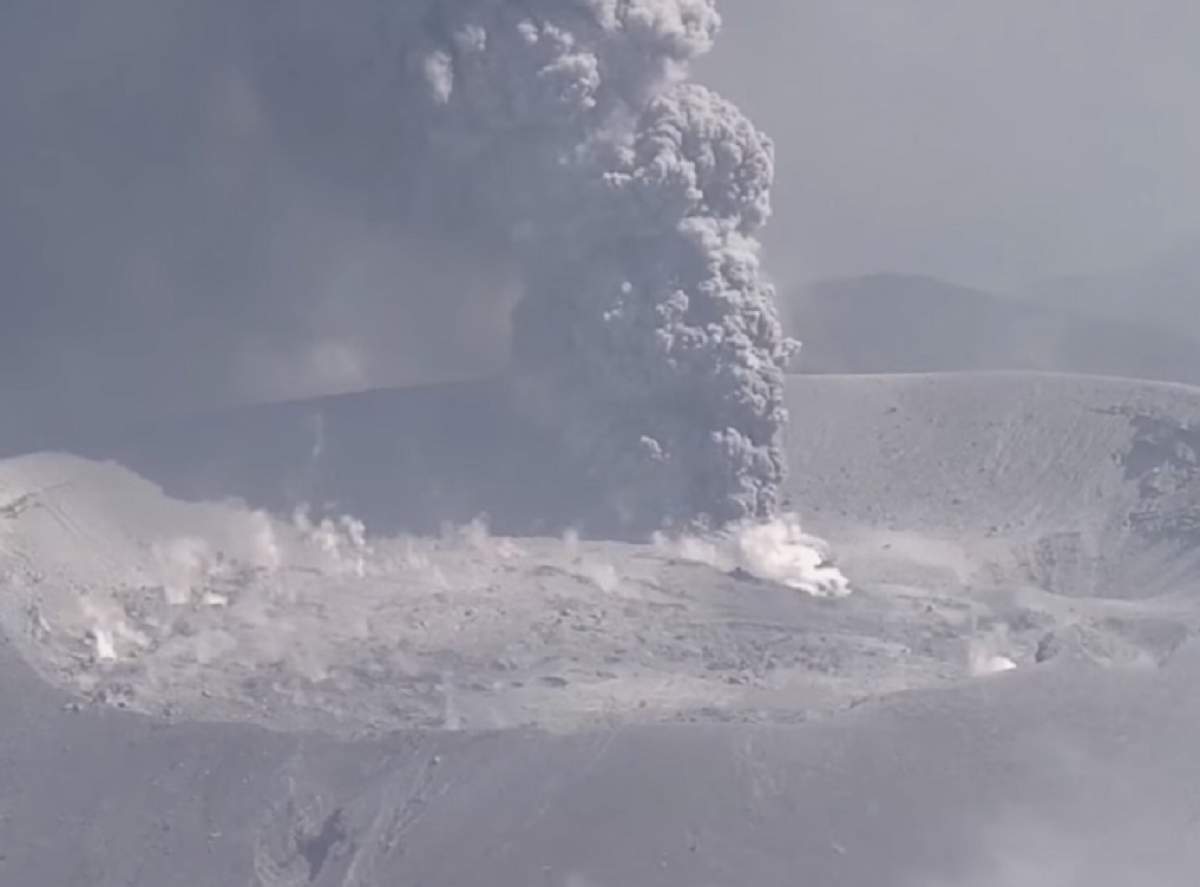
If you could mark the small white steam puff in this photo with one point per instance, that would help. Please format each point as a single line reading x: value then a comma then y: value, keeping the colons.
x: 775, y: 550
x: 779, y: 550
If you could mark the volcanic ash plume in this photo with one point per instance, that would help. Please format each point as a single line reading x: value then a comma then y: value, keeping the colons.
x: 630, y: 199
x: 650, y: 319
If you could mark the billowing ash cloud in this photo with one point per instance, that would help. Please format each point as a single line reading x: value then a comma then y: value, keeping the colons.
x: 651, y: 320
x: 236, y: 200
x: 631, y: 199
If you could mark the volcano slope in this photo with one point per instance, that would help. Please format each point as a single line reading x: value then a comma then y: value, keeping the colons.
x: 1078, y: 486
x: 209, y: 692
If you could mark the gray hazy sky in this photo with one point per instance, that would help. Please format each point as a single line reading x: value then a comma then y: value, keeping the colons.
x: 990, y: 141
x: 193, y: 210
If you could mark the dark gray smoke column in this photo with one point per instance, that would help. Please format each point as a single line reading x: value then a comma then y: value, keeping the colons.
x: 630, y: 199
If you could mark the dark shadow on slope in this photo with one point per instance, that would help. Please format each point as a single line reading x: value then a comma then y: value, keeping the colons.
x: 403, y: 460
x: 1164, y: 460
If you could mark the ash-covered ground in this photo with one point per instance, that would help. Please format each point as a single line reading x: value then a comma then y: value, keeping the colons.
x: 1057, y: 522
x: 990, y: 679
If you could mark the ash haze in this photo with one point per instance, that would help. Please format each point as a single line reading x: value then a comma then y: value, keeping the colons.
x: 172, y: 238
x: 991, y: 143
x: 242, y: 202
x: 176, y: 238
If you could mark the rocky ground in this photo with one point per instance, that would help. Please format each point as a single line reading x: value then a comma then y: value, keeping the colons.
x: 205, y: 691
